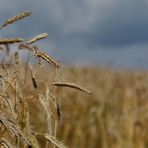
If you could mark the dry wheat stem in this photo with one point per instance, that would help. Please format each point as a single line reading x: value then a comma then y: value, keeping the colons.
x: 25, y: 46
x: 36, y: 38
x: 26, y: 118
x: 17, y: 87
x: 17, y: 64
x: 10, y: 40
x: 44, y: 103
x: 72, y: 85
x: 16, y: 18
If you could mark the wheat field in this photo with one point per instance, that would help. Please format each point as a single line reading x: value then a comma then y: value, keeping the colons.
x: 43, y: 103
x: 114, y: 116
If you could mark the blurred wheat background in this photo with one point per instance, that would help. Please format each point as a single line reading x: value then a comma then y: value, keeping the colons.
x: 115, y: 116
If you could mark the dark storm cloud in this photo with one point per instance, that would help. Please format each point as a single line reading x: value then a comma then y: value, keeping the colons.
x: 78, y: 26
x: 95, y: 22
x: 100, y: 23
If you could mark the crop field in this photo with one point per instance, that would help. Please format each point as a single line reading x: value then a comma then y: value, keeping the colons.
x: 44, y: 103
x: 114, y: 116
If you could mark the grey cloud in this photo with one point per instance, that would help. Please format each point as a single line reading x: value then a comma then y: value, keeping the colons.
x: 104, y: 22
x: 112, y: 28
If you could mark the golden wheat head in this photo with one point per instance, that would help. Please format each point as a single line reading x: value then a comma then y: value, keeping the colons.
x: 10, y: 40
x: 15, y: 18
x: 37, y: 37
x: 72, y: 85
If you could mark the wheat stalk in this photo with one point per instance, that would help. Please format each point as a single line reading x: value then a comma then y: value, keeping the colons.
x: 17, y: 64
x: 15, y: 18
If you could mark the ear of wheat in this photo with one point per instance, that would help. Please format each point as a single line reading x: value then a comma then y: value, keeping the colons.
x: 5, y: 143
x: 46, y: 57
x: 12, y: 128
x: 10, y: 40
x: 40, y: 54
x: 15, y: 18
x: 36, y: 38
x: 53, y: 140
x: 72, y: 85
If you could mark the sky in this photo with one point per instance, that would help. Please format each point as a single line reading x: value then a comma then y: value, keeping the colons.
x: 85, y: 32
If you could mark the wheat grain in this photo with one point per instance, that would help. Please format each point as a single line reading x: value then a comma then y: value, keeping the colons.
x: 6, y: 143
